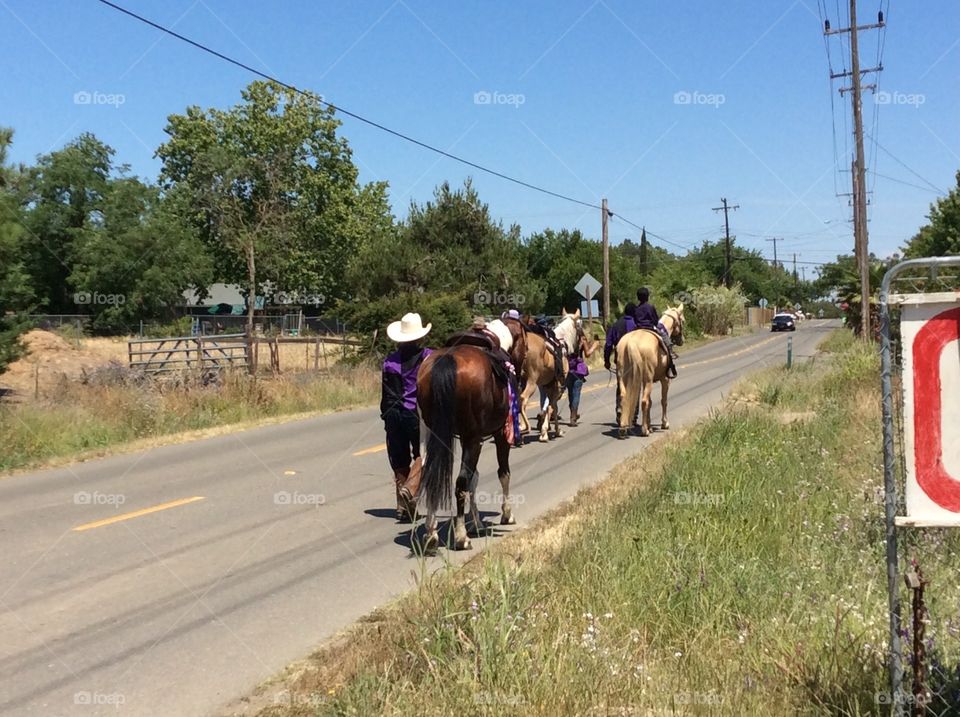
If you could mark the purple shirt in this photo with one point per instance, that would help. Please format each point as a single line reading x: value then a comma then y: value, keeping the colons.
x: 623, y: 326
x: 400, y: 379
x: 646, y: 317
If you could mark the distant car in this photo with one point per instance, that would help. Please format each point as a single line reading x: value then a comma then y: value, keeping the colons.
x: 783, y: 322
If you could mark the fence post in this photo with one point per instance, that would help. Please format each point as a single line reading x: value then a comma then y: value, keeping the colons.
x: 789, y: 351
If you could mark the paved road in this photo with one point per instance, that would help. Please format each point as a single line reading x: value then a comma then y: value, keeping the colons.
x: 170, y: 581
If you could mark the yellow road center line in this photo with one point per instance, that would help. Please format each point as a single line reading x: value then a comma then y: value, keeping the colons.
x: 137, y: 513
x: 372, y: 449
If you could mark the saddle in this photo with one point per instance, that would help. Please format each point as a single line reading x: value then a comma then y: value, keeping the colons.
x: 499, y: 359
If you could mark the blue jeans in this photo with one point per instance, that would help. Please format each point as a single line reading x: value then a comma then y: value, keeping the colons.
x: 574, y: 387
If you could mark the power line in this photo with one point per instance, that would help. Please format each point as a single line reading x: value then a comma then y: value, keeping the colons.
x: 903, y: 164
x: 354, y: 115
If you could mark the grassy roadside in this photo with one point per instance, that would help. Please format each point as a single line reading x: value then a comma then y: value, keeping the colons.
x: 85, y: 420
x: 737, y: 570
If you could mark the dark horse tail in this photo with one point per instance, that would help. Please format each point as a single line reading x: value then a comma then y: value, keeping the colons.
x: 438, y: 469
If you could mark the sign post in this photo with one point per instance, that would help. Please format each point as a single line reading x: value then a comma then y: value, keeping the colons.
x: 587, y: 287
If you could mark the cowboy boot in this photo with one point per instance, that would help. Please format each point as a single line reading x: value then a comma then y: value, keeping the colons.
x: 410, y: 489
x: 574, y: 417
x: 400, y: 476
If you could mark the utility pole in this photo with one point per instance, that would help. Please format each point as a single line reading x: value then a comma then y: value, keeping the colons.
x: 856, y: 88
x: 794, y: 268
x: 775, y: 240
x: 606, y: 262
x: 726, y: 223
x: 644, y: 268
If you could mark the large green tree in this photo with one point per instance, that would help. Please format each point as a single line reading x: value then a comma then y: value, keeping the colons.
x: 274, y: 189
x: 941, y: 237
x: 15, y: 290
x: 64, y: 198
x: 139, y: 257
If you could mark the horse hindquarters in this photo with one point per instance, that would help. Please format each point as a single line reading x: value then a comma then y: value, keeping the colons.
x: 438, y: 468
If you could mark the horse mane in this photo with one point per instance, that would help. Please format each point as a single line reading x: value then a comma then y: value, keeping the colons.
x: 567, y: 330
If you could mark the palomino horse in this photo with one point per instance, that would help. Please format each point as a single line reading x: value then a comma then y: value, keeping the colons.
x: 460, y: 393
x: 540, y: 371
x: 642, y: 360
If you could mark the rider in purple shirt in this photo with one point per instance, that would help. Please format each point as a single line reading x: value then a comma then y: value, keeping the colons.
x: 646, y: 317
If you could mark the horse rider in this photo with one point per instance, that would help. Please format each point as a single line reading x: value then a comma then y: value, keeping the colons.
x: 398, y: 410
x: 646, y: 317
x: 621, y: 327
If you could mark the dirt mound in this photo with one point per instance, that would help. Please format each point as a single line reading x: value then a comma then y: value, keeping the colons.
x: 50, y: 358
x: 39, y: 341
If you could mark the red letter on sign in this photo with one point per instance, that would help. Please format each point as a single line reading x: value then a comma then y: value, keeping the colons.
x: 928, y: 345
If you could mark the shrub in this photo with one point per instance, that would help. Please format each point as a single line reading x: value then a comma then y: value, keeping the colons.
x: 718, y: 308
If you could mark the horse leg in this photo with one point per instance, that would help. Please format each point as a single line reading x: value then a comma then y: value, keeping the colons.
x: 554, y: 406
x: 528, y: 390
x: 470, y: 453
x: 664, y: 389
x: 628, y: 398
x: 645, y: 408
x: 503, y: 473
x: 432, y: 540
x: 477, y: 527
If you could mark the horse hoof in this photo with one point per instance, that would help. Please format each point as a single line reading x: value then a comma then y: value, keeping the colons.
x: 543, y: 438
x: 464, y: 544
x: 644, y: 433
x: 507, y: 520
x: 664, y: 426
x: 431, y: 544
x: 560, y: 434
x: 621, y: 433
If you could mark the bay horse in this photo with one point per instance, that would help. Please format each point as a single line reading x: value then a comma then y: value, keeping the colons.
x: 540, y: 371
x: 642, y: 359
x: 462, y: 392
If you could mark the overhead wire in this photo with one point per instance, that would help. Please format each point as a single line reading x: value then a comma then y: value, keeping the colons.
x: 341, y: 110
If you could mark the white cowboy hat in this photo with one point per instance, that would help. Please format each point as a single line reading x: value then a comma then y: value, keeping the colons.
x: 409, y: 328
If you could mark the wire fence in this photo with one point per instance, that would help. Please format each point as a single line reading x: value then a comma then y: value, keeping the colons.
x: 922, y: 560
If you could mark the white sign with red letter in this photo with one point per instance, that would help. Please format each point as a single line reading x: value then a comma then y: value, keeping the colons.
x: 930, y: 336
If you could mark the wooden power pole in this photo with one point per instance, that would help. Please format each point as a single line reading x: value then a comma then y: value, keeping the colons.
x: 860, y: 240
x: 726, y: 253
x: 775, y: 240
x: 606, y: 262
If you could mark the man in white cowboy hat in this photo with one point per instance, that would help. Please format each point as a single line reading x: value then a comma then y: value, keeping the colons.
x: 398, y: 409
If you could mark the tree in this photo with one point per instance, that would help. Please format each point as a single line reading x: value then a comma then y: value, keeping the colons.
x: 138, y: 260
x: 64, y: 198
x: 15, y: 291
x: 274, y: 188
x: 941, y: 237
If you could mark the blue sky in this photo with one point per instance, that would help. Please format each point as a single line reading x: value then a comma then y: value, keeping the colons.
x: 587, y: 99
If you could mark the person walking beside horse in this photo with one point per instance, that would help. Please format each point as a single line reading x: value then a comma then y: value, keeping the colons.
x: 621, y: 327
x: 577, y: 375
x: 398, y: 410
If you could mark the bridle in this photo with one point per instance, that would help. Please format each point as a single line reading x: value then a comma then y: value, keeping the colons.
x: 677, y: 324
